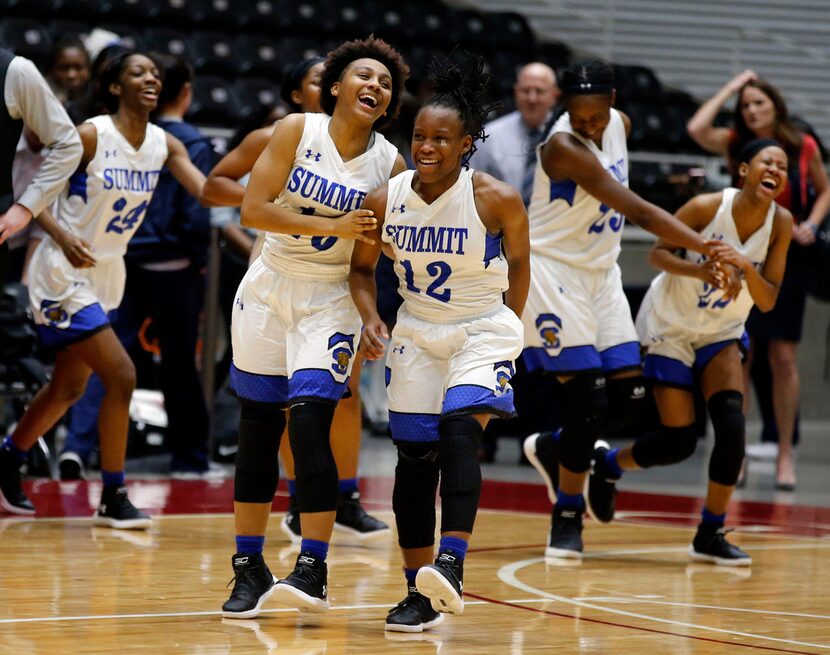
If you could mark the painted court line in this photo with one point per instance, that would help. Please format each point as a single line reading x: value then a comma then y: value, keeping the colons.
x: 507, y: 574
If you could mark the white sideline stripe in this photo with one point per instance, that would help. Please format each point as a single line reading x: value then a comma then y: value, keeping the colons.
x: 507, y: 574
x: 634, y: 600
x: 281, y: 610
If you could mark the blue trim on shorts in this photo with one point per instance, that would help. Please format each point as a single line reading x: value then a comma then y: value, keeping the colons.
x: 406, y: 426
x: 82, y: 324
x: 575, y: 358
x: 315, y: 383
x: 623, y: 355
x: 465, y: 397
x: 259, y: 387
x: 668, y: 370
x: 704, y: 355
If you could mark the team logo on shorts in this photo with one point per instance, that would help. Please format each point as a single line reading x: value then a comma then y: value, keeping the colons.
x: 342, y: 350
x: 504, y: 371
x: 549, y: 326
x: 55, y: 314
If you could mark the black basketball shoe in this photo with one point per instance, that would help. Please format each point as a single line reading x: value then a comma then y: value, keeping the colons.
x: 305, y: 588
x: 565, y: 533
x: 443, y: 583
x: 601, y: 487
x: 253, y: 584
x: 71, y: 466
x: 413, y: 614
x: 116, y: 511
x: 352, y: 518
x: 290, y: 524
x: 542, y: 450
x: 710, y: 545
x: 12, y: 497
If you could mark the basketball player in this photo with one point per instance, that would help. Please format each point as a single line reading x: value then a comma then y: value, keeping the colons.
x: 460, y: 240
x: 301, y: 90
x: 689, y: 327
x: 577, y: 321
x: 295, y: 328
x: 77, y: 276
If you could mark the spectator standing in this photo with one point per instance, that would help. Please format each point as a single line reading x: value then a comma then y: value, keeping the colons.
x: 760, y: 112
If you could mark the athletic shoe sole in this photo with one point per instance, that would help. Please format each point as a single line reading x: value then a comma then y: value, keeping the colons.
x: 116, y: 524
x: 529, y: 447
x: 251, y: 613
x: 400, y: 627
x: 288, y: 532
x: 361, y: 535
x: 442, y: 595
x: 288, y: 596
x: 599, y: 443
x: 6, y: 506
x: 719, y: 561
x: 562, y: 553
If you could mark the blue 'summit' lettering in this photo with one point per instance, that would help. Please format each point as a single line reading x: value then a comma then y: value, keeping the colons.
x: 125, y: 179
x: 324, y: 191
x: 411, y: 238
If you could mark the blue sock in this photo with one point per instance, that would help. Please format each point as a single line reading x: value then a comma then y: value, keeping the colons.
x: 9, y: 446
x: 112, y: 479
x: 611, y: 463
x: 410, y: 574
x: 292, y: 487
x: 556, y: 434
x: 568, y: 500
x: 320, y: 549
x: 250, y: 545
x: 348, y: 486
x: 712, y: 519
x: 453, y: 546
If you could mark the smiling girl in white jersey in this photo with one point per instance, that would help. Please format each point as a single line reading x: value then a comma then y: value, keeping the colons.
x: 577, y: 320
x: 77, y: 277
x: 691, y: 331
x: 460, y: 243
x: 295, y: 329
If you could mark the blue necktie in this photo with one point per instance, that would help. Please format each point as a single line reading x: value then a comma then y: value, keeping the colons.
x: 534, y: 138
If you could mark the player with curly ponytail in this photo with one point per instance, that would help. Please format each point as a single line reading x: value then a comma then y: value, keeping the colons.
x: 460, y: 241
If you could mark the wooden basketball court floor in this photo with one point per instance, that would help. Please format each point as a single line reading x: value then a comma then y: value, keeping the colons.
x: 69, y: 588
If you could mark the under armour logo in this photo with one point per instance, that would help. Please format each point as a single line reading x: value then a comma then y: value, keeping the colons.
x: 400, y: 209
x: 110, y: 153
x: 240, y: 303
x: 398, y: 349
x: 638, y: 392
x: 309, y: 155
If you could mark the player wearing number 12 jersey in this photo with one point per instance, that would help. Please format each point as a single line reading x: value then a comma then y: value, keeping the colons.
x: 77, y: 277
x: 460, y: 241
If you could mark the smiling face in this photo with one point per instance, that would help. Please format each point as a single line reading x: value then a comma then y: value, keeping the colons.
x: 439, y: 141
x: 766, y: 173
x: 757, y: 110
x: 364, y: 90
x: 590, y: 115
x: 308, y: 95
x: 139, y: 83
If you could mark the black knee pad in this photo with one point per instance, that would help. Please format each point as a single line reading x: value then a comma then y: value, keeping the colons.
x: 413, y: 498
x: 726, y: 408
x: 257, y: 469
x: 628, y: 402
x: 584, y: 408
x: 459, y: 439
x: 665, y: 446
x: 309, y: 427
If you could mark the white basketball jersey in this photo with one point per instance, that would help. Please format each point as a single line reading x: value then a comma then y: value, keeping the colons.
x: 105, y: 204
x: 566, y: 222
x: 322, y: 184
x: 449, y: 267
x: 696, y: 305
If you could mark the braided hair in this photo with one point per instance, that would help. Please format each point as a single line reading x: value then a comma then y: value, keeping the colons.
x: 589, y: 77
x: 463, y: 87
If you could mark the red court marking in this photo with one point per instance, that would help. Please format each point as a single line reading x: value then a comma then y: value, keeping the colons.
x: 163, y: 496
x: 633, y: 627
